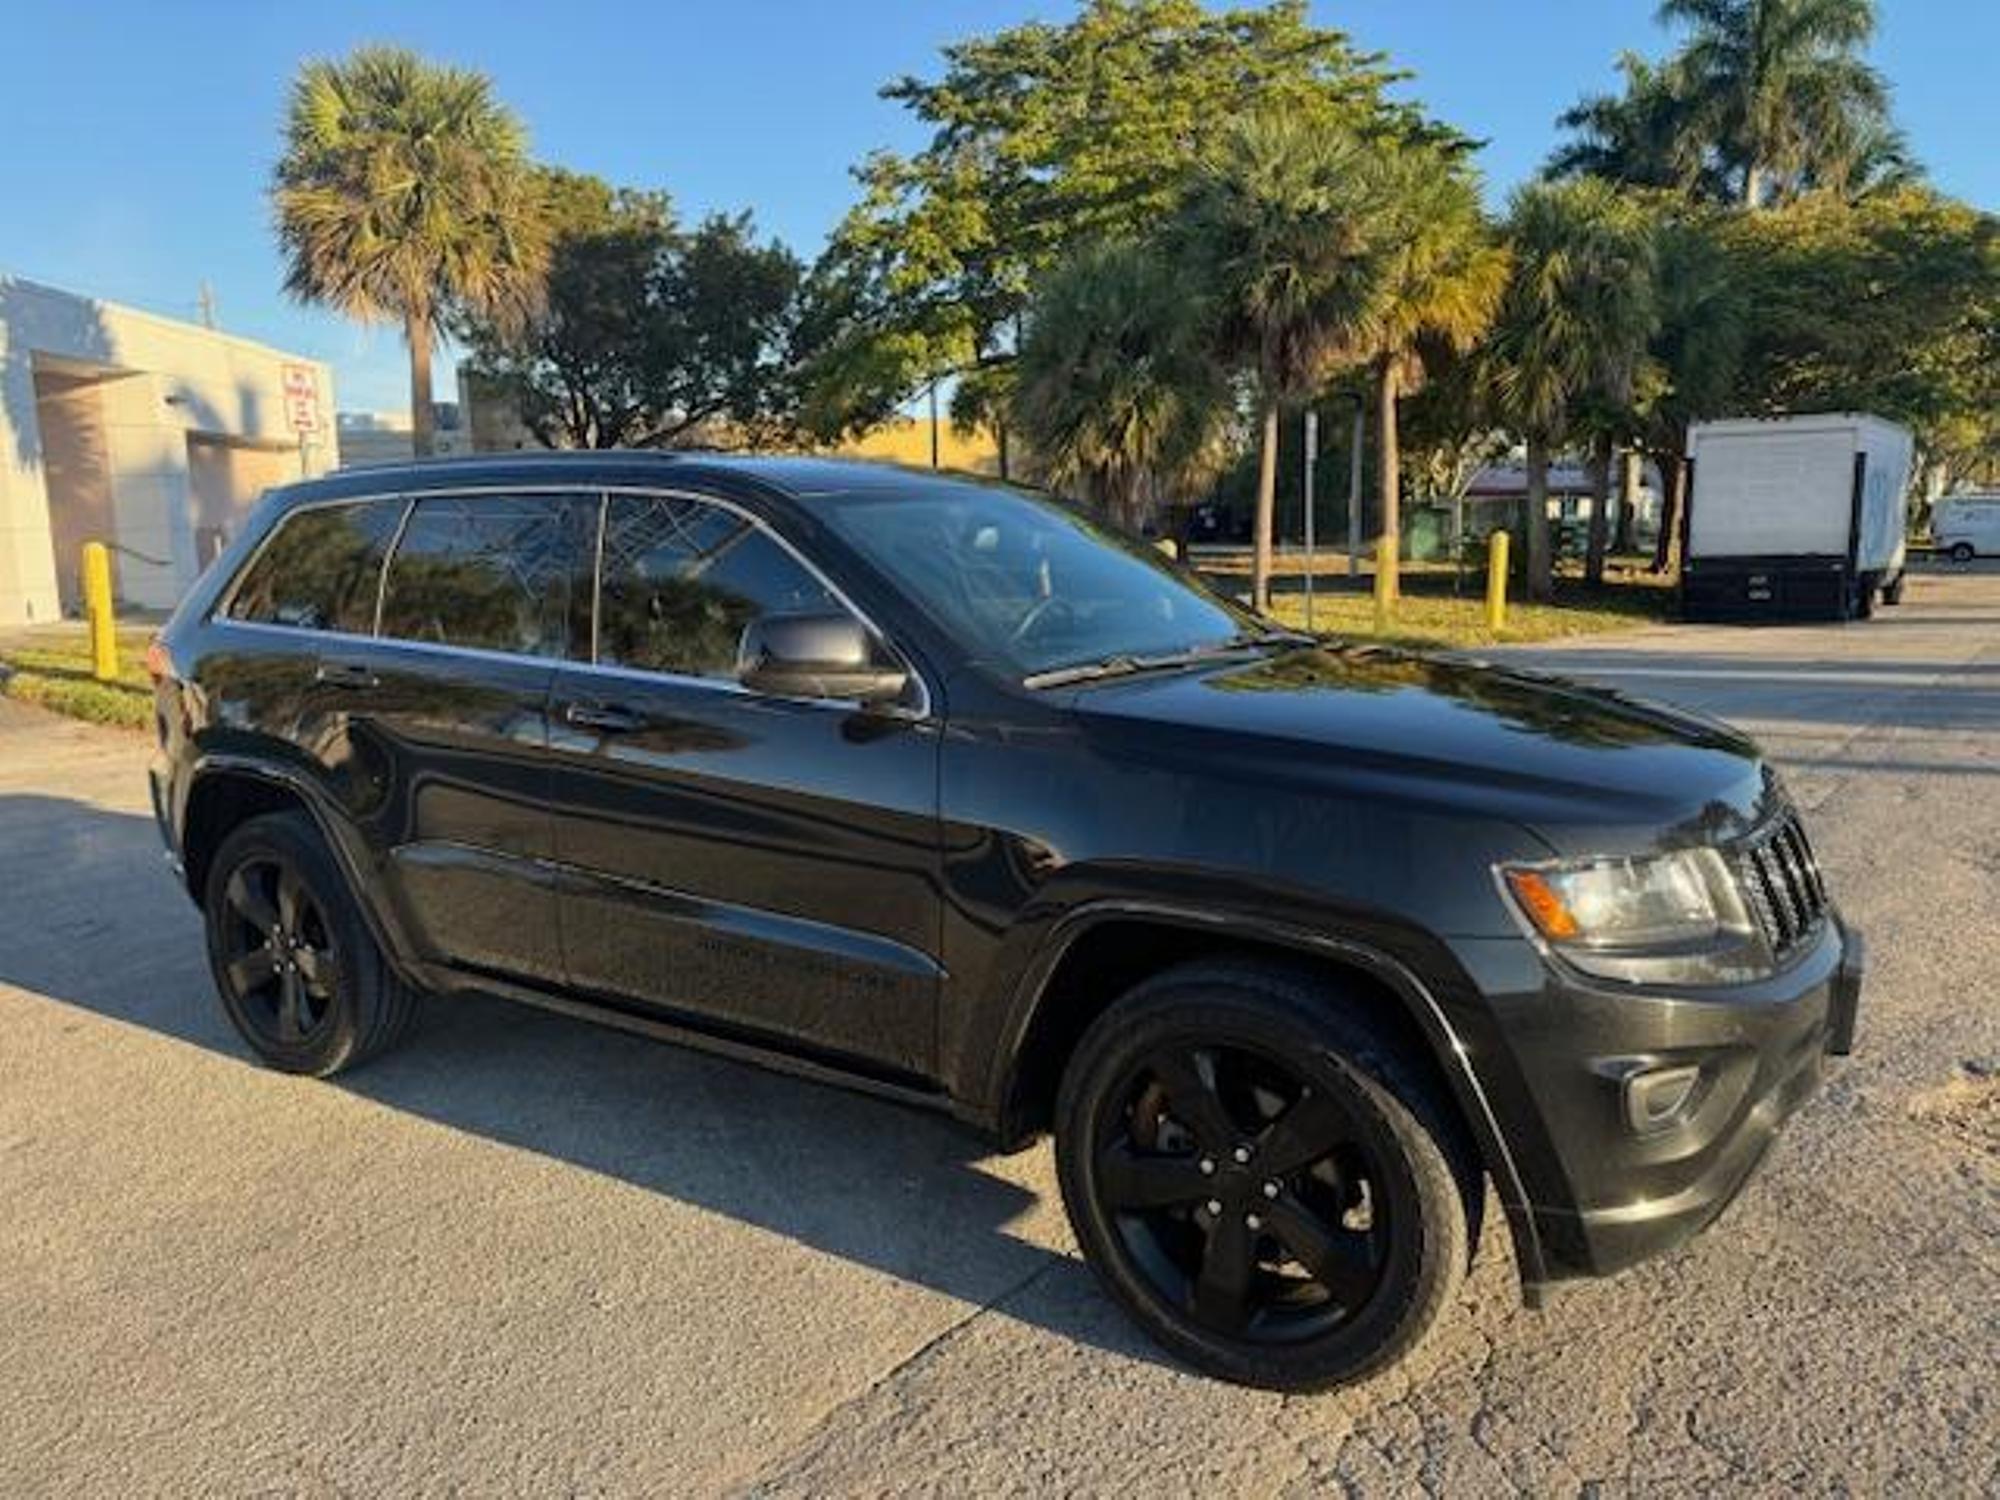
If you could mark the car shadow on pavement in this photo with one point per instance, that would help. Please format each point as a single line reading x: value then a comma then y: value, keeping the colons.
x: 92, y: 918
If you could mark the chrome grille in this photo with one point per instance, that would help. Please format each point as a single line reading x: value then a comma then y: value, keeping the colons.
x: 1781, y: 882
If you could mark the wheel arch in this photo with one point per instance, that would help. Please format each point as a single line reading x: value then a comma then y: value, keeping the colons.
x: 1097, y: 954
x: 224, y: 792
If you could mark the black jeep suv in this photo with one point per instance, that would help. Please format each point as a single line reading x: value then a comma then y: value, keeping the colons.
x: 943, y: 790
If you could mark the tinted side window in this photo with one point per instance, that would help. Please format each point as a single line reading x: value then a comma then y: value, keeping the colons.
x: 491, y: 572
x: 681, y: 579
x: 321, y: 568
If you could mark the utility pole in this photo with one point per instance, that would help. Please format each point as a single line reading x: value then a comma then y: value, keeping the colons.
x: 934, y: 423
x: 1311, y: 462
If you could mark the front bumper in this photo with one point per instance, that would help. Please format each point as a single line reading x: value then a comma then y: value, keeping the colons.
x: 1608, y: 1185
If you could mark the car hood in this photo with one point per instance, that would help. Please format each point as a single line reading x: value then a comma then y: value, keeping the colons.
x: 1538, y: 750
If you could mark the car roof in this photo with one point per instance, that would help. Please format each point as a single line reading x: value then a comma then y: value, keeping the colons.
x: 793, y: 476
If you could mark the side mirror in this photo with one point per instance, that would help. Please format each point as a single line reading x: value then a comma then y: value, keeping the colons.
x: 816, y: 656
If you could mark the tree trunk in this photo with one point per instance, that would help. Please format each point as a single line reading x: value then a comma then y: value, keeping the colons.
x: 423, y: 421
x: 1535, y: 521
x: 1000, y: 442
x: 1753, y: 183
x: 1629, y: 485
x: 1389, y: 477
x: 1267, y: 502
x: 1673, y: 482
x: 1600, y: 509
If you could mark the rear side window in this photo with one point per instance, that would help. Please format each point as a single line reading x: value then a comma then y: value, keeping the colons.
x: 682, y: 578
x: 320, y: 569
x: 491, y: 572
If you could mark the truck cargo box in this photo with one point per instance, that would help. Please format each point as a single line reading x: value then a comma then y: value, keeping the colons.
x: 1795, y: 517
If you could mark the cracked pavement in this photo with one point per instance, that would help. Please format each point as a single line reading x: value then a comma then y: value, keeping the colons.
x: 526, y: 1254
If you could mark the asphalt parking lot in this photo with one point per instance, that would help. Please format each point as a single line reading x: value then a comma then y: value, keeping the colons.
x: 523, y: 1254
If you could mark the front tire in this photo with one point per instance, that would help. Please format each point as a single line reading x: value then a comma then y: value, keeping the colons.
x: 1271, y: 1188
x: 298, y: 972
x: 1961, y: 552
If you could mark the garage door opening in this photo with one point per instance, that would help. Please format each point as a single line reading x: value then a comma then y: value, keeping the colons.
x: 225, y: 477
x: 76, y: 464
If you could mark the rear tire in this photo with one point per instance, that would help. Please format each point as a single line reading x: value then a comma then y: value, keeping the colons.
x: 1275, y: 1192
x: 299, y: 973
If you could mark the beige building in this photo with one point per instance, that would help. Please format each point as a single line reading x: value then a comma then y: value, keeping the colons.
x: 152, y: 435
x: 386, y: 437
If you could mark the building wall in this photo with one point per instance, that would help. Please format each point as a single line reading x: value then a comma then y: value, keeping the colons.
x: 157, y: 381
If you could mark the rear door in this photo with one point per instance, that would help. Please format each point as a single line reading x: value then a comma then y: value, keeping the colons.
x: 765, y: 866
x: 446, y: 730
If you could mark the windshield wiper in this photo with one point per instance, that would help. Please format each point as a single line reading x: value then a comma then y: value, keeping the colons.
x: 1125, y: 663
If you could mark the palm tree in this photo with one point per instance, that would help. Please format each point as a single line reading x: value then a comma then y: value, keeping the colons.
x: 1443, y: 273
x: 1571, y: 332
x: 1116, y: 391
x: 1779, y: 86
x: 1285, y: 221
x: 405, y: 194
x: 1647, y: 136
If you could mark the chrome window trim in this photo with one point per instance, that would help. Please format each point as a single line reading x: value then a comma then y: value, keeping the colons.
x: 218, y: 613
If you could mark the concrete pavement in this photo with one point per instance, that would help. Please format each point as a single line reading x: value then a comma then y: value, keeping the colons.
x: 525, y: 1254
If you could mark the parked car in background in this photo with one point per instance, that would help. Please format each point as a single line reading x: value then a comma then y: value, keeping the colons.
x: 944, y: 791
x: 1795, y: 518
x: 1966, y: 526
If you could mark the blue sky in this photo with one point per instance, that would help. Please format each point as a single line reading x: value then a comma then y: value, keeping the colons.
x: 136, y: 139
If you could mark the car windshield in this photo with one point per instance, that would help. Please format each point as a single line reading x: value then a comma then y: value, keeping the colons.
x: 1032, y: 585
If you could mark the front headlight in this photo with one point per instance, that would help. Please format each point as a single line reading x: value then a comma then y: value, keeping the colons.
x: 1675, y: 918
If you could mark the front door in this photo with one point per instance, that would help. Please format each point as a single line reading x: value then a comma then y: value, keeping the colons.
x: 758, y: 865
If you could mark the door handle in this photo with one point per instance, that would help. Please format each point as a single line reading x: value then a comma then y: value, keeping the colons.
x: 344, y: 674
x: 607, y: 718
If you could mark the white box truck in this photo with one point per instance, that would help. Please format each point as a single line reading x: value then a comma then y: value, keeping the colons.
x: 1795, y: 517
x: 1967, y: 526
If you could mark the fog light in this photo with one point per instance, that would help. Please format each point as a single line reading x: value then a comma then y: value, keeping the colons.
x: 1655, y: 1099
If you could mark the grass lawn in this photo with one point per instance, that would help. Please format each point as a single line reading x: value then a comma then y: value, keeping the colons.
x: 49, y: 665
x: 1429, y: 615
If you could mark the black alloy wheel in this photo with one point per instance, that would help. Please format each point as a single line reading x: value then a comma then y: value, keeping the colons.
x: 1250, y: 1199
x: 279, y: 957
x: 296, y: 966
x: 1268, y: 1181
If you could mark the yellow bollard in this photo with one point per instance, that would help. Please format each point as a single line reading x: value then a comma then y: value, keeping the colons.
x: 1385, y: 581
x: 97, y: 598
x: 1496, y: 582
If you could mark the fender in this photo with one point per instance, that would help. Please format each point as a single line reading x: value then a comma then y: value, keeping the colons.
x: 382, y: 924
x: 1419, y: 1002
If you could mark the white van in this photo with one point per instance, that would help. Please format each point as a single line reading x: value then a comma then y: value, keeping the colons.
x: 1966, y: 526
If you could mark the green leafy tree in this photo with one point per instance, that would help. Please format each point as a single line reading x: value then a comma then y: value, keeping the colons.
x: 404, y: 194
x: 1695, y: 356
x: 1442, y: 273
x: 1890, y: 304
x: 650, y: 334
x: 1571, y: 335
x: 1285, y: 226
x: 1781, y: 89
x: 1116, y: 390
x: 1047, y: 137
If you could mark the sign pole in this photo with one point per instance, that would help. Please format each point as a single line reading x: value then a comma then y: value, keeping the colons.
x: 1311, y: 460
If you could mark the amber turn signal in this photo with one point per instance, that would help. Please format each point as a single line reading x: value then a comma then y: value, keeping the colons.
x: 1544, y: 907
